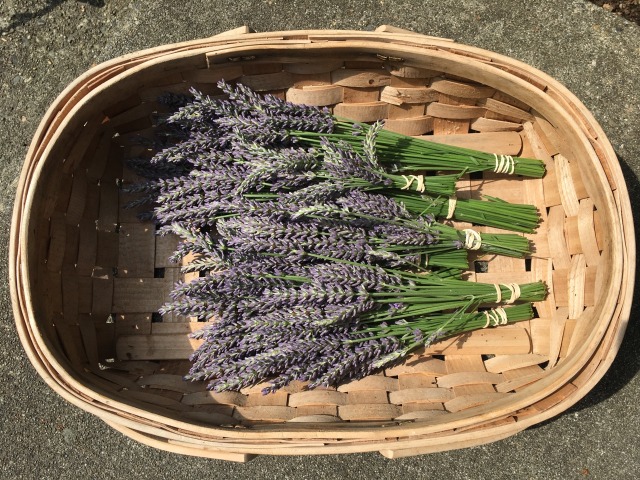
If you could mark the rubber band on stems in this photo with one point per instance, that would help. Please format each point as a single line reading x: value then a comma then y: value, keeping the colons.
x: 472, y: 239
x: 496, y: 317
x: 451, y: 207
x: 419, y: 179
x: 504, y: 164
x: 514, y: 289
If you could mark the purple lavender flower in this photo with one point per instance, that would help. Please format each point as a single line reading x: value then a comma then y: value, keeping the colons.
x: 342, y: 162
x: 312, y: 118
x: 393, y: 235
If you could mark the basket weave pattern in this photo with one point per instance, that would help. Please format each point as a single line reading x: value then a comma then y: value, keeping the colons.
x: 96, y: 276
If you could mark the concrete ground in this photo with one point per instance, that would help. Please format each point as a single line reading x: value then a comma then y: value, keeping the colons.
x: 45, y: 44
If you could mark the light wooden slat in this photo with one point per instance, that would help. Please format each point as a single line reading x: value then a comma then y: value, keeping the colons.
x: 318, y: 418
x: 503, y: 363
x: 87, y: 247
x: 556, y: 334
x: 577, y: 285
x: 505, y: 109
x: 465, y: 365
x: 502, y: 143
x: 369, y: 412
x: 402, y: 95
x: 464, y: 402
x: 314, y: 397
x: 486, y: 341
x: 404, y: 112
x: 362, y: 112
x: 359, y: 78
x: 317, y: 96
x: 406, y: 71
x: 416, y: 380
x: 504, y: 98
x: 468, y: 378
x: 483, y: 124
x: 83, y: 141
x: 516, y: 383
x: 417, y: 364
x: 420, y: 395
x: 216, y: 419
x: 278, y: 398
x: 165, y: 246
x: 265, y: 413
x: 412, y: 126
x: 370, y: 397
x: 454, y: 112
x: 557, y: 243
x: 372, y: 382
x: 107, y: 250
x: 108, y: 216
x: 568, y: 194
x: 459, y: 89
x: 181, y: 328
x: 586, y: 231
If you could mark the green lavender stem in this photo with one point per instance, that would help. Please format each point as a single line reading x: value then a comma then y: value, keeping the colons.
x: 412, y: 154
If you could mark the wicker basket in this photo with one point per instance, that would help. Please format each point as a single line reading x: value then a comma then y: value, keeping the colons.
x: 87, y: 277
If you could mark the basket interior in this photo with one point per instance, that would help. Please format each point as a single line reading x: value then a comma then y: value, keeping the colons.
x: 99, y: 275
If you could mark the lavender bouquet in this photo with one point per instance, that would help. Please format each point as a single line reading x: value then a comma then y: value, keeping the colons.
x: 265, y: 125
x: 320, y: 255
x: 329, y: 322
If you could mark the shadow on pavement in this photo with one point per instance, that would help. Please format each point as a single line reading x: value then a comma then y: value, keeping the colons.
x: 20, y: 19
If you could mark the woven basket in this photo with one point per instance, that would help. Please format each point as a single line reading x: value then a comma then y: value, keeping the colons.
x: 87, y: 277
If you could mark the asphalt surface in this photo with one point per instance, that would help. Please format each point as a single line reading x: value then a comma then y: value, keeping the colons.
x: 44, y: 45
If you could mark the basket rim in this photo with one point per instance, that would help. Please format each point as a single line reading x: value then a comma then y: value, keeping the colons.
x: 36, y: 344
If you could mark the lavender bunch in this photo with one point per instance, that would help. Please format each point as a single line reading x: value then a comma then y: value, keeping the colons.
x: 303, y: 342
x: 305, y: 331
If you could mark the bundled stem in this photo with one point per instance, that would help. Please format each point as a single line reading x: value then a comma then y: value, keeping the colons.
x: 411, y: 154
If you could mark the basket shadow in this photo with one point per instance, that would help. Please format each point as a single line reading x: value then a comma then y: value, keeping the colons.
x: 626, y: 364
x: 20, y: 19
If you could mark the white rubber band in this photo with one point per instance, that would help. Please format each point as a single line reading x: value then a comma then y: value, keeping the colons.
x: 498, y: 292
x: 452, y: 207
x: 514, y: 288
x: 472, y: 240
x: 503, y: 315
x: 488, y: 317
x: 496, y: 317
x: 409, y: 179
x: 504, y: 164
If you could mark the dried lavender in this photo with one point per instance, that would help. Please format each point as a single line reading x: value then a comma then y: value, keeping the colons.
x: 306, y: 242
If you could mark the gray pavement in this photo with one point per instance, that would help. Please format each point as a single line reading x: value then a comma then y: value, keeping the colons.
x: 44, y: 45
